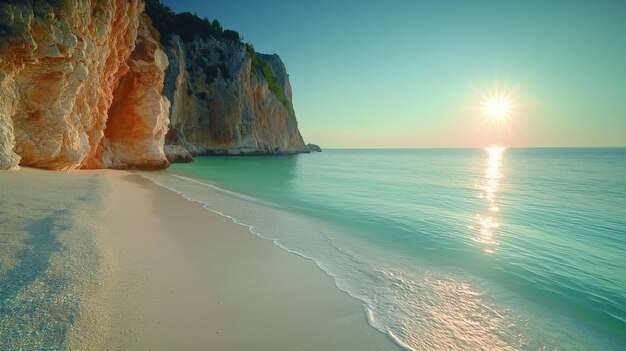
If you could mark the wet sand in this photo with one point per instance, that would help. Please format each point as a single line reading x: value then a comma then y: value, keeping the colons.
x: 185, y: 278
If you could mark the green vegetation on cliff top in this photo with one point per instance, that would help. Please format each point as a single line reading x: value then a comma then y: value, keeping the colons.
x: 189, y: 26
x: 269, y: 75
x: 186, y: 25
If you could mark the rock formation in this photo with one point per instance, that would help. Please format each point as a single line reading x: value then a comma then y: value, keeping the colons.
x: 81, y: 86
x: 222, y: 103
x: 71, y: 94
x: 177, y: 154
x: 138, y: 117
x: 313, y: 147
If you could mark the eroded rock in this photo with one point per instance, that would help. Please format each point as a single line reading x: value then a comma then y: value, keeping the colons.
x: 313, y: 147
x: 61, y: 64
x: 177, y: 154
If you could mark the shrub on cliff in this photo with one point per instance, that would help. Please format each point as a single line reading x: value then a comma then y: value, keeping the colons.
x: 189, y: 26
x: 186, y: 25
x: 268, y: 73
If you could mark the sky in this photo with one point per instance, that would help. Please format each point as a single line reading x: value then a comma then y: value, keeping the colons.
x: 414, y: 73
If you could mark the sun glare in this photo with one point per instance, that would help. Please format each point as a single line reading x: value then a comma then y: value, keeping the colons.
x: 497, y: 107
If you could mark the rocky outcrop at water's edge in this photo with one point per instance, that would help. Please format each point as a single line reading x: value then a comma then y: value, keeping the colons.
x: 313, y: 147
x: 177, y: 154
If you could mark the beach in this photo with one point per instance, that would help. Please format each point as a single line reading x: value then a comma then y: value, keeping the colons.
x: 448, y: 248
x: 165, y: 273
x: 317, y: 252
x: 192, y: 279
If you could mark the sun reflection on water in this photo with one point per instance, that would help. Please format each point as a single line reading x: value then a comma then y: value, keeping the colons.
x: 486, y: 223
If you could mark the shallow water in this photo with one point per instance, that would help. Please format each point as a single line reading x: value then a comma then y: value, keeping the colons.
x: 447, y: 248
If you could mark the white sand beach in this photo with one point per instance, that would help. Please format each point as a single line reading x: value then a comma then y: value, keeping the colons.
x: 190, y: 279
x: 169, y: 274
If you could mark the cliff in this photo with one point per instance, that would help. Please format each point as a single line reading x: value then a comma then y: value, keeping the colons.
x: 222, y: 103
x: 80, y: 86
x: 86, y: 84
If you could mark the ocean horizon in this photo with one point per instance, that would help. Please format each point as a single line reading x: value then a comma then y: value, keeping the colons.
x: 472, y: 148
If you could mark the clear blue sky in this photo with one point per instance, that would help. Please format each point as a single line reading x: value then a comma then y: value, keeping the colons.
x: 411, y: 73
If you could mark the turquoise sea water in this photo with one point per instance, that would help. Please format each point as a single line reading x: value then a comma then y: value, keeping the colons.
x: 496, y: 249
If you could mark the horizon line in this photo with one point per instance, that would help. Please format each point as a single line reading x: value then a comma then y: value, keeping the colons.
x: 469, y: 147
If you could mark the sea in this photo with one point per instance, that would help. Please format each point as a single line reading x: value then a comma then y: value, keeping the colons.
x: 447, y: 249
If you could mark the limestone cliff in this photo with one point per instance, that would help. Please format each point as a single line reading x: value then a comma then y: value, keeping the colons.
x: 222, y: 103
x: 83, y: 84
x: 80, y: 85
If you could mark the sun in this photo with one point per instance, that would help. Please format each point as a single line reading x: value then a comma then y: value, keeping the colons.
x: 498, y: 105
x: 497, y: 108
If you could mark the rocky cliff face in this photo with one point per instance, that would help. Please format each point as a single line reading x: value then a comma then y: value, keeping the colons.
x: 222, y: 104
x: 138, y: 117
x: 80, y: 86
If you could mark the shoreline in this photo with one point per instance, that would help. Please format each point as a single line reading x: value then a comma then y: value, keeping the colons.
x: 192, y: 278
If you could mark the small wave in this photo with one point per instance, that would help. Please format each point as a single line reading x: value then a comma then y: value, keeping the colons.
x: 419, y: 307
x: 233, y: 194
